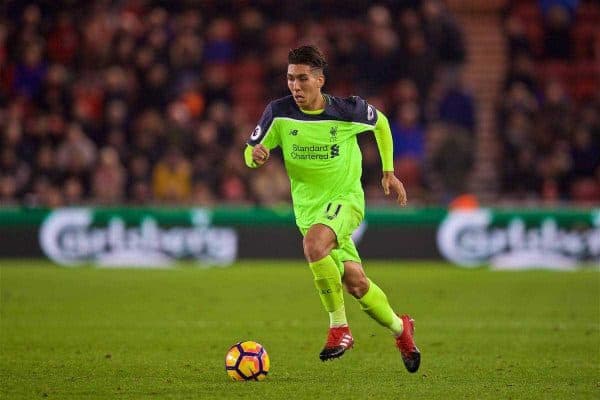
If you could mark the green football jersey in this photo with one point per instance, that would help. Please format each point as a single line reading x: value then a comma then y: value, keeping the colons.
x: 320, y: 151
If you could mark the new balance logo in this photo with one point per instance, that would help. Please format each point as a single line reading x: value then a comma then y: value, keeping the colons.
x: 294, y: 132
x: 335, y: 150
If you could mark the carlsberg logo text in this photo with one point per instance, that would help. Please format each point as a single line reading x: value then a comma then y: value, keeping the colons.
x: 68, y: 237
x: 467, y: 238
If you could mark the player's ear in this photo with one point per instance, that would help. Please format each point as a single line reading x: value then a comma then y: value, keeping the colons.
x: 321, y: 80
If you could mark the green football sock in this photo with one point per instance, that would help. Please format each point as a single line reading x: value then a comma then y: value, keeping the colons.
x: 329, y: 285
x: 376, y: 305
x: 338, y: 317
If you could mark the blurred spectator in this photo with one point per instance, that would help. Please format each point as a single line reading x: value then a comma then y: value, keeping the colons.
x: 442, y: 33
x: 155, y: 87
x: 30, y: 72
x: 139, y: 179
x: 45, y: 164
x: 408, y: 134
x: 77, y: 153
x: 63, y: 40
x: 234, y: 165
x: 108, y: 181
x: 206, y: 150
x: 516, y: 35
x: 139, y: 170
x: 271, y: 186
x: 584, y: 163
x: 53, y: 197
x: 73, y: 192
x: 233, y: 190
x: 54, y: 96
x: 554, y: 119
x: 45, y: 193
x: 450, y: 160
x: 202, y: 195
x: 172, y: 177
x: 557, y: 32
x: 456, y: 106
x: 219, y: 47
x: 522, y: 70
x: 521, y: 179
x: 140, y: 193
x: 251, y: 25
x: 380, y: 59
x: 420, y: 62
x: 409, y: 148
x: 569, y: 5
x: 8, y: 190
x: 17, y: 171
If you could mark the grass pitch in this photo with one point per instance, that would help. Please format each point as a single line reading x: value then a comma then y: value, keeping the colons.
x: 139, y: 334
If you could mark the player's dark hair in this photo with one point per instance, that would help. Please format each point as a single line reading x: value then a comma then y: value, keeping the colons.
x: 308, y: 55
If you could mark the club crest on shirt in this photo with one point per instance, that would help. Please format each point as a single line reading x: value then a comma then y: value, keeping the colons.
x: 333, y: 134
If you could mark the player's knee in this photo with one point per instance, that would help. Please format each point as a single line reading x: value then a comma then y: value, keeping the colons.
x: 358, y: 286
x: 314, y: 249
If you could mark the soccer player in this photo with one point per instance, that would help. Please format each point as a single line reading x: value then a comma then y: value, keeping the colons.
x: 317, y: 134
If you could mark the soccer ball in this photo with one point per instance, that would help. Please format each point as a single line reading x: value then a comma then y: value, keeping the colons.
x: 247, y: 361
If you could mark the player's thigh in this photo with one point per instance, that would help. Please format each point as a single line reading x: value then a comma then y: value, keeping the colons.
x: 318, y: 241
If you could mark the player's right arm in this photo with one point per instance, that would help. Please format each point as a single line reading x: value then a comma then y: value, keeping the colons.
x: 263, y: 138
x: 255, y: 156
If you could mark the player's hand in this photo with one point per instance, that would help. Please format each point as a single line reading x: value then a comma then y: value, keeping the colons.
x: 389, y: 181
x: 260, y: 154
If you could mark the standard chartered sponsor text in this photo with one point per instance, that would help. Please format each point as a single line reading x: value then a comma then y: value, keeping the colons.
x: 312, y: 147
x: 302, y: 152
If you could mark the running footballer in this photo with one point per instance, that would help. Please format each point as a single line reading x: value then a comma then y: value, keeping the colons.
x: 317, y: 135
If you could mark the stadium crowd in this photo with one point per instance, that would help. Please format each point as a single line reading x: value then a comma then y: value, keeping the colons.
x: 549, y: 116
x: 150, y: 102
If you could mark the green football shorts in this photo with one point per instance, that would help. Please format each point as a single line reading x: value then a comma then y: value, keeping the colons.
x: 343, y: 216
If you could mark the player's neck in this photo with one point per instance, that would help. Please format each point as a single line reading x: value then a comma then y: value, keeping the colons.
x: 317, y: 105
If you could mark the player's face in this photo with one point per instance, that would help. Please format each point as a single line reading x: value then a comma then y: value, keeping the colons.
x: 305, y: 85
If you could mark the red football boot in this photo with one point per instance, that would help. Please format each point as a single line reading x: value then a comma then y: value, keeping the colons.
x: 338, y: 341
x: 406, y: 344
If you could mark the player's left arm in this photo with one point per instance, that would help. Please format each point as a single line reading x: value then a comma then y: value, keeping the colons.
x: 385, y: 145
x: 263, y: 138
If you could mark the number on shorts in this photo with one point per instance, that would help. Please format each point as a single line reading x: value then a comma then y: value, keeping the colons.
x: 330, y: 209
